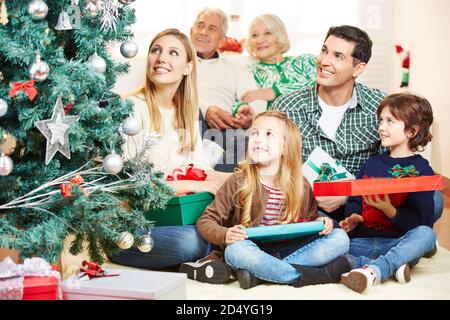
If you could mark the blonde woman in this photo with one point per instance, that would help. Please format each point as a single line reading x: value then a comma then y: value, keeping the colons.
x: 168, y: 104
x: 275, y: 73
x: 268, y: 189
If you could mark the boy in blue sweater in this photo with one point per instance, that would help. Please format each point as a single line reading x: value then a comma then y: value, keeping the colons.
x: 388, y: 231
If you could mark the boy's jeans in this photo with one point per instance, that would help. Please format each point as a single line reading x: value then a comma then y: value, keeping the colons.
x: 272, y: 261
x: 386, y: 255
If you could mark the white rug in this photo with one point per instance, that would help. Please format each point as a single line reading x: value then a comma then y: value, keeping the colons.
x: 430, y: 279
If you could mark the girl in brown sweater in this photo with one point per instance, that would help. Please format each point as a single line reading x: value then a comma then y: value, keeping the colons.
x: 267, y: 189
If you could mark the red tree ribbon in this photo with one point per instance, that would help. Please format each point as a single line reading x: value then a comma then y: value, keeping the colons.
x: 28, y: 87
x: 93, y: 270
x: 68, y: 107
x: 65, y: 188
x: 190, y: 173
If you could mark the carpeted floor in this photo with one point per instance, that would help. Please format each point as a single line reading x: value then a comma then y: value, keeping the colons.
x: 430, y: 279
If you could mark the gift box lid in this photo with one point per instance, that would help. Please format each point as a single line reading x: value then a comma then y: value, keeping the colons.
x: 129, y: 284
x: 34, y: 285
x: 371, y: 186
x: 191, y: 197
x: 284, y: 231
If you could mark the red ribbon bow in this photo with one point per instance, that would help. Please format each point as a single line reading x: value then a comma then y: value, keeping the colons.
x: 65, y: 188
x: 93, y: 270
x: 28, y: 87
x: 191, y: 173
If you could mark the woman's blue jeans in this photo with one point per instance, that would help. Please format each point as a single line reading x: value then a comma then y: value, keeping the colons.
x: 272, y: 261
x: 173, y: 245
x: 386, y: 255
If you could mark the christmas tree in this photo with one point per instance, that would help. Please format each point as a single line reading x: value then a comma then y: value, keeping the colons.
x: 57, y: 103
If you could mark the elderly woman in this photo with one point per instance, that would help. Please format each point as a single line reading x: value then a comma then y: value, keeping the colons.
x: 275, y: 74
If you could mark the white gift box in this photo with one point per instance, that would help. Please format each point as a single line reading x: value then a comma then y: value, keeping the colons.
x: 312, y: 167
x: 128, y: 285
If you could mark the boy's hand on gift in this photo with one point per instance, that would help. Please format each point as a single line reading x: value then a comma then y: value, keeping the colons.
x: 235, y: 233
x: 327, y: 225
x: 384, y: 204
x: 350, y: 223
x: 329, y: 204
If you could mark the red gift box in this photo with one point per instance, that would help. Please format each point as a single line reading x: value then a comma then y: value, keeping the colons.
x: 361, y: 187
x: 40, y: 288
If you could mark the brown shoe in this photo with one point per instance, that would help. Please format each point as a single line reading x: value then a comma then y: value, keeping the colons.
x: 359, y: 280
x: 246, y: 279
x: 431, y: 253
x: 403, y: 274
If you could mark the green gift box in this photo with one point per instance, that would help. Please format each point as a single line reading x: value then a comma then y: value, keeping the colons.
x: 181, y: 210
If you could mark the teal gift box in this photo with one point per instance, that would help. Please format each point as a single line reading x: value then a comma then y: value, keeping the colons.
x: 284, y: 231
x: 181, y: 210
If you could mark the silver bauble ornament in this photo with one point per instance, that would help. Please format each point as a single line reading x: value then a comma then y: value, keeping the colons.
x: 91, y: 9
x: 131, y: 126
x: 39, y: 70
x: 6, y: 165
x: 145, y: 243
x: 129, y: 49
x: 97, y: 63
x: 3, y: 107
x: 125, y: 240
x: 125, y: 2
x: 37, y: 9
x: 113, y: 163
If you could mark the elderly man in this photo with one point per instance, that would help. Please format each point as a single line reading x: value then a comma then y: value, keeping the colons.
x: 220, y: 83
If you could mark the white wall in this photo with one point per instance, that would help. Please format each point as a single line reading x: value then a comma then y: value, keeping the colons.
x: 306, y: 21
x: 423, y: 28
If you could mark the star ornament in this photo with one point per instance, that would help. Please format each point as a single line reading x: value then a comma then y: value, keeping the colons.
x: 56, y: 131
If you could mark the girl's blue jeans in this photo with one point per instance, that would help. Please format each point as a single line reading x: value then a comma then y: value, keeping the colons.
x: 272, y: 261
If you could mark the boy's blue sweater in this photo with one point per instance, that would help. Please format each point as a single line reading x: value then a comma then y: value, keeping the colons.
x: 417, y: 209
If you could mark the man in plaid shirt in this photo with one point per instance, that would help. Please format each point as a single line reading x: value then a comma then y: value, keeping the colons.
x: 338, y: 114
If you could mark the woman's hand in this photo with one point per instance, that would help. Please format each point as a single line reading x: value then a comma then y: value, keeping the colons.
x: 266, y: 94
x: 235, y: 233
x: 350, y: 223
x: 327, y: 225
x: 384, y: 204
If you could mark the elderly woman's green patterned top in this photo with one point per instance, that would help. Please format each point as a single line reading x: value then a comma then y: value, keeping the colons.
x: 291, y: 74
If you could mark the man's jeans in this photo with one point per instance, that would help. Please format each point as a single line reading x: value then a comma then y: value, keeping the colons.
x: 386, y: 255
x: 173, y: 245
x: 272, y: 261
x: 438, y: 204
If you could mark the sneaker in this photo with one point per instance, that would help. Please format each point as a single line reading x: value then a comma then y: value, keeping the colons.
x: 215, y: 272
x: 431, y: 253
x: 403, y: 274
x: 246, y: 279
x: 359, y: 280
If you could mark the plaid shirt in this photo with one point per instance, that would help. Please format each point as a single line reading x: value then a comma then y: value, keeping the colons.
x: 356, y: 137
